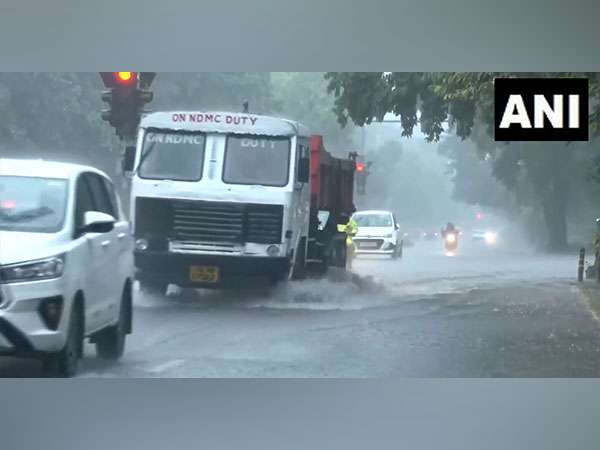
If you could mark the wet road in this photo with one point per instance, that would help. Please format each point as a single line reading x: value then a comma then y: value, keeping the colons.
x: 480, y: 313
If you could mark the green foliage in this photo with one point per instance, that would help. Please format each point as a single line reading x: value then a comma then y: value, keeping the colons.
x: 303, y: 97
x: 464, y: 101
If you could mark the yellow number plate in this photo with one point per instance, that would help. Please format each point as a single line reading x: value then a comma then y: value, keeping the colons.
x: 204, y: 274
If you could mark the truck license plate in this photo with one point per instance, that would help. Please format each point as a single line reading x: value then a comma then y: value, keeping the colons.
x: 204, y: 274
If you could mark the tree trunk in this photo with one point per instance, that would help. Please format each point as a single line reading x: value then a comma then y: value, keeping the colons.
x: 555, y: 216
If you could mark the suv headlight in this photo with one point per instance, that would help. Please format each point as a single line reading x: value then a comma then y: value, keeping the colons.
x: 35, y: 270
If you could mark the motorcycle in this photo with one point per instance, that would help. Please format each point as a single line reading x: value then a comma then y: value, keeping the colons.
x: 451, y: 240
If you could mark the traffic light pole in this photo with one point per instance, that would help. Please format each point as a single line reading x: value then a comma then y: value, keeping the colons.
x: 127, y: 94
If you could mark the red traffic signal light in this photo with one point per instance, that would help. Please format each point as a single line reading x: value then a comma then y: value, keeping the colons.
x: 360, y: 167
x: 125, y: 77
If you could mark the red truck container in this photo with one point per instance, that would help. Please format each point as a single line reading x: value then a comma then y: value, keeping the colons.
x: 332, y: 203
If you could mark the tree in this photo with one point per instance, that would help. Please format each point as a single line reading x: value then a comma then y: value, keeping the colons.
x: 463, y: 100
x: 302, y: 96
x: 213, y: 90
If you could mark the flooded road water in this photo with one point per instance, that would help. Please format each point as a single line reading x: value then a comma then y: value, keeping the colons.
x: 483, y: 312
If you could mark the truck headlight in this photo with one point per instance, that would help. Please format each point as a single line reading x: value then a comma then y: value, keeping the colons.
x: 141, y: 244
x: 273, y: 250
x: 35, y: 270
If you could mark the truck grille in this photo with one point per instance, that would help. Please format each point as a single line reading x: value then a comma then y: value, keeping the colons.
x: 209, y: 222
x: 264, y: 223
x: 206, y: 222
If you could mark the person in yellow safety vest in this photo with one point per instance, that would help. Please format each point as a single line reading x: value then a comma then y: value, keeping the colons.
x: 351, y: 228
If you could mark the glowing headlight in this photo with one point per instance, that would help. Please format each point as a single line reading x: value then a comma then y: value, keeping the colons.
x: 451, y: 238
x: 36, y: 270
x: 490, y: 237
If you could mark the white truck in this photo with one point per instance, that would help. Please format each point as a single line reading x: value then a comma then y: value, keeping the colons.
x: 217, y: 197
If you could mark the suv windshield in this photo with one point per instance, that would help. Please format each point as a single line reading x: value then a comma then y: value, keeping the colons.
x: 373, y: 220
x: 172, y: 156
x: 32, y: 204
x: 257, y: 160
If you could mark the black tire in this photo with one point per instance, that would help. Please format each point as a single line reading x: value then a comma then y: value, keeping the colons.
x: 341, y: 255
x: 110, y: 344
x: 64, y: 364
x: 299, y: 269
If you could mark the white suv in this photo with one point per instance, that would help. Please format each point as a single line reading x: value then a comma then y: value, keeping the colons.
x: 66, y: 264
x: 378, y: 233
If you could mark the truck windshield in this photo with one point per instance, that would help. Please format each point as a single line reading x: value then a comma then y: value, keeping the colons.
x: 31, y: 204
x: 172, y: 156
x: 257, y: 160
x: 373, y: 220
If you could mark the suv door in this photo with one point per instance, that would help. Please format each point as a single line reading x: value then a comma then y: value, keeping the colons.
x: 110, y: 250
x: 123, y: 262
x: 89, y: 255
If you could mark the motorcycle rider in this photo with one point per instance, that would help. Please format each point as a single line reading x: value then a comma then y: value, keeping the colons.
x: 450, y: 228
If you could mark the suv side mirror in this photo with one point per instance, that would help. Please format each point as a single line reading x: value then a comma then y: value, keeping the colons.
x: 304, y: 170
x: 397, y: 227
x: 97, y: 222
x: 128, y: 159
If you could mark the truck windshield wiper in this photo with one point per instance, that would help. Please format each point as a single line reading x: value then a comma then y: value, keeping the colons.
x: 145, y: 155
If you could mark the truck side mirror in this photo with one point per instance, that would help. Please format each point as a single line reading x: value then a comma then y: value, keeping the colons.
x: 128, y: 159
x: 303, y: 170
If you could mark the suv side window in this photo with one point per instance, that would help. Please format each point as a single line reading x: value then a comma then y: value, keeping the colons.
x: 84, y: 201
x: 112, y: 194
x: 101, y: 194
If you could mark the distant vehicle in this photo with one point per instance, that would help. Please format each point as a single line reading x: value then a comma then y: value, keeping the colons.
x: 409, y: 238
x: 487, y: 237
x: 431, y: 236
x: 378, y: 233
x: 66, y: 264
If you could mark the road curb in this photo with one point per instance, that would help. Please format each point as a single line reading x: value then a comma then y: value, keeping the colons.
x: 591, y: 296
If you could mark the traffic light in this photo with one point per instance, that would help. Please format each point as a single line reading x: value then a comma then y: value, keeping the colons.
x: 126, y: 95
x: 361, y: 178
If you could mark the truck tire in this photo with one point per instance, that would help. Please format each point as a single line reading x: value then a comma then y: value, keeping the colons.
x: 340, y: 255
x: 298, y: 270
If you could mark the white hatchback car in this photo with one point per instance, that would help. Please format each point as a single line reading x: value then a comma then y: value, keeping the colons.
x: 66, y: 264
x: 378, y: 233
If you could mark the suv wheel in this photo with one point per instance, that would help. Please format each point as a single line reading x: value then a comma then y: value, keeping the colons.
x: 110, y: 343
x: 64, y: 364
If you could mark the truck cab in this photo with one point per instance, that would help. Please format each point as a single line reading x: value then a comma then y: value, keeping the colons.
x: 217, y: 197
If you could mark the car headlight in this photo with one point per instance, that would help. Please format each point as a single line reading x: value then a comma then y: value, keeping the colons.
x: 490, y: 237
x: 389, y: 236
x: 35, y: 270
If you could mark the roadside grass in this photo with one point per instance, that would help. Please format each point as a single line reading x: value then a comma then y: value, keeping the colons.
x: 591, y: 292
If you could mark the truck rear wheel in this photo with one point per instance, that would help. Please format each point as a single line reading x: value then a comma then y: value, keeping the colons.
x: 340, y: 255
